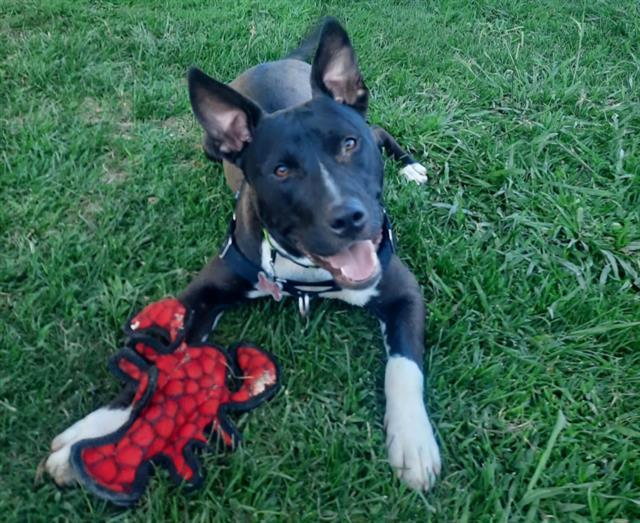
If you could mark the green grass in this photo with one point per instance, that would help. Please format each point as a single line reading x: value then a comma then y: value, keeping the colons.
x: 526, y: 243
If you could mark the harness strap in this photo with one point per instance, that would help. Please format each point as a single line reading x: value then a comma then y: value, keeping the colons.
x: 304, y: 291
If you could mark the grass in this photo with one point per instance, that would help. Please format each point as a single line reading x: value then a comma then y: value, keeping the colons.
x: 526, y: 243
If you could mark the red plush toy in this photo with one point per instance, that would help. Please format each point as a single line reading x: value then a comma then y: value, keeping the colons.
x: 181, y: 392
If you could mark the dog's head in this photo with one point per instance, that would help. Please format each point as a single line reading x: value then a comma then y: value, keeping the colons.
x: 315, y: 168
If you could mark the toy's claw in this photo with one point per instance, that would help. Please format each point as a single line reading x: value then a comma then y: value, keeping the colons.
x: 128, y: 366
x: 163, y: 321
x: 228, y: 436
x: 259, y: 374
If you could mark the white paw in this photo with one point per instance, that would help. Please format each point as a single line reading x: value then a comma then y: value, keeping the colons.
x: 411, y: 445
x: 415, y: 172
x: 99, y: 423
x: 412, y: 448
x: 59, y: 467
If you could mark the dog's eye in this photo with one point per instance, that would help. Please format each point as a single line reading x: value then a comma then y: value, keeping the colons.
x: 349, y: 144
x: 281, y: 171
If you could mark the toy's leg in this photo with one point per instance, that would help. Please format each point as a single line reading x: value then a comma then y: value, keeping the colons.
x: 258, y: 379
x: 413, y: 450
x: 100, y: 422
x: 259, y: 373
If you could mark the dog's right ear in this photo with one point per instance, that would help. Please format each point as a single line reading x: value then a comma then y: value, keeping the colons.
x: 228, y: 118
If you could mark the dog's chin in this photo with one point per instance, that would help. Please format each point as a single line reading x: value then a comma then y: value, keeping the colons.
x: 354, y: 267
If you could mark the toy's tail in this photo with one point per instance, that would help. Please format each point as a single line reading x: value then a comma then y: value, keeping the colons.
x: 308, y: 46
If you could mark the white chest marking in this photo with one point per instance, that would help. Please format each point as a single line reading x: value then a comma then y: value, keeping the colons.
x: 288, y: 270
x: 359, y: 297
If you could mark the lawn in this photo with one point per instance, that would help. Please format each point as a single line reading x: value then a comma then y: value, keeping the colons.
x: 526, y: 242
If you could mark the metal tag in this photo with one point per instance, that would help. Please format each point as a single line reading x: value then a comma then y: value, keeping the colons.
x: 303, y: 305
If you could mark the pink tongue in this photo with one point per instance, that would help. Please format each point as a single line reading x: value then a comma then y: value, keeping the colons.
x: 358, y: 262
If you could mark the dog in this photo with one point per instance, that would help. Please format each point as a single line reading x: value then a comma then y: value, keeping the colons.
x: 308, y: 222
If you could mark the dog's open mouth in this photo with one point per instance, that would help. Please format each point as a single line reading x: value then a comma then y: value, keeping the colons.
x: 354, y: 266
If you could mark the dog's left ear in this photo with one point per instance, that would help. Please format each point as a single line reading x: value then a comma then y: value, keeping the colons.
x: 335, y: 69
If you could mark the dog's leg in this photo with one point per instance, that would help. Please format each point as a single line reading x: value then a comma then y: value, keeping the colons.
x: 411, y: 170
x: 100, y: 422
x: 215, y: 289
x: 413, y: 451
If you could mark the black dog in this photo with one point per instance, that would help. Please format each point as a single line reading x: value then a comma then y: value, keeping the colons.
x: 309, y: 222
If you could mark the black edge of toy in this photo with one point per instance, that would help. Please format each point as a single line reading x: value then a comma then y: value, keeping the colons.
x: 140, y: 481
x: 150, y: 335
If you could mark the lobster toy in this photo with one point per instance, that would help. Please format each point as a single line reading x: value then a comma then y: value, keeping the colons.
x: 182, y: 392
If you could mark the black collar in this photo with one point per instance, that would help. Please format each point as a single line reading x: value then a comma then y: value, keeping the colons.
x: 242, y: 266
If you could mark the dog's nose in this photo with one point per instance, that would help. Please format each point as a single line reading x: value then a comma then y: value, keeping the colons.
x: 348, y: 218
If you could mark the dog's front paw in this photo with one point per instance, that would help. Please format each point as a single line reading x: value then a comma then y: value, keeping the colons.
x: 57, y: 464
x: 413, y: 451
x: 99, y: 423
x: 415, y: 172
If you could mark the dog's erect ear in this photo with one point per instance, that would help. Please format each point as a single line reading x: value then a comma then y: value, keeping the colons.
x: 228, y: 118
x: 335, y: 69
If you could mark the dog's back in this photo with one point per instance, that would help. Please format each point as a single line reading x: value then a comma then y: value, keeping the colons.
x: 276, y: 85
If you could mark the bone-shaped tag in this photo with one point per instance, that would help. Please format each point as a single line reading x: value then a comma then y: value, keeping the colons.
x: 269, y: 286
